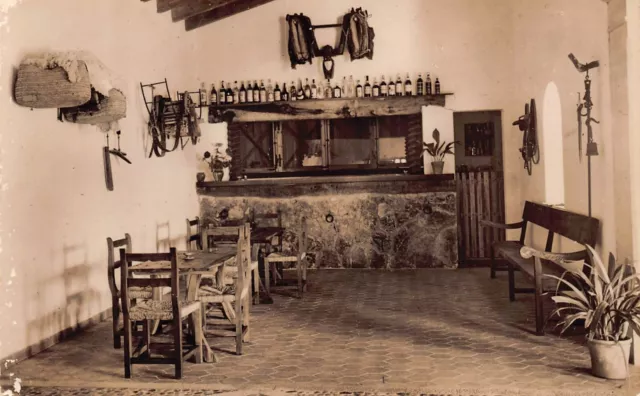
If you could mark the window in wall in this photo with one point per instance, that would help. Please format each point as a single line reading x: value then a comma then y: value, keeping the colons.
x: 314, y: 147
x: 552, y: 146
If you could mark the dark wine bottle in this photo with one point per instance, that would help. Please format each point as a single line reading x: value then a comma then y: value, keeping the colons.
x: 223, y: 94
x: 314, y: 90
x: 367, y: 88
x: 398, y: 86
x: 392, y: 87
x: 359, y: 90
x: 293, y: 93
x: 337, y: 91
x: 249, y: 92
x: 408, y: 86
x: 376, y: 89
x: 263, y: 92
x: 307, y: 89
x: 285, y: 93
x: 229, y: 94
x: 420, y: 86
x: 437, y: 86
x: 277, y: 94
x: 243, y: 94
x: 429, y: 90
x: 213, y: 96
x: 384, y: 91
x: 256, y: 92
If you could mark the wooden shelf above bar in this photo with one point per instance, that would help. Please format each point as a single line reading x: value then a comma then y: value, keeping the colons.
x: 323, y: 109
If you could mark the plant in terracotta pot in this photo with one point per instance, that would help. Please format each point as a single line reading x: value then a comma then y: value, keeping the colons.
x: 218, y: 162
x: 607, y: 301
x: 437, y: 151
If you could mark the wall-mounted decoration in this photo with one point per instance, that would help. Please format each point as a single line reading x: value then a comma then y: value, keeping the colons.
x: 101, y: 110
x: 356, y: 35
x: 527, y: 123
x: 586, y: 104
x: 171, y: 121
x: 107, y: 152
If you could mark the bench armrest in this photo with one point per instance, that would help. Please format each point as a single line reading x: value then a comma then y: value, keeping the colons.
x: 488, y: 223
x: 558, y: 258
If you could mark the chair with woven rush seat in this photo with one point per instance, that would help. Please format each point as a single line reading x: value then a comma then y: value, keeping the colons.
x: 134, y: 293
x: 234, y: 296
x: 229, y: 235
x: 175, y: 311
x: 300, y: 259
x: 195, y: 237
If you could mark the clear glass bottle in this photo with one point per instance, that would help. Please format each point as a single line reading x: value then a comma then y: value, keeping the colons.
x: 270, y: 94
x: 343, y: 87
x: 235, y: 93
x: 204, y: 98
x: 351, y: 88
x: 328, y: 92
x: 314, y: 89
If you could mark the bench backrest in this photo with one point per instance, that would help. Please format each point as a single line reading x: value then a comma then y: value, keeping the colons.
x: 576, y: 227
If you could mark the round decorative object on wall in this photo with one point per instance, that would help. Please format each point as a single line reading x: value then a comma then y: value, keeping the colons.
x: 329, y: 218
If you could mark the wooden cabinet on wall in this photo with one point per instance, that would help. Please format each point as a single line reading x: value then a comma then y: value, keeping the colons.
x: 348, y: 136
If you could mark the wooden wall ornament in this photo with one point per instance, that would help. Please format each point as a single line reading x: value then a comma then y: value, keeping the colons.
x: 355, y: 31
x: 527, y: 123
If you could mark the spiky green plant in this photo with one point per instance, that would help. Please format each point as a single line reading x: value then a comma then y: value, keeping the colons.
x: 607, y: 300
x: 437, y: 150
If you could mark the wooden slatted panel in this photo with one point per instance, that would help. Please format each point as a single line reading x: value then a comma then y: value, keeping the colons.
x: 472, y: 215
x: 413, y: 144
x: 234, y: 139
x: 480, y: 198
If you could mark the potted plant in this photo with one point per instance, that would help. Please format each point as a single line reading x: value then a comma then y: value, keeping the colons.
x: 218, y: 162
x: 607, y: 301
x: 437, y: 151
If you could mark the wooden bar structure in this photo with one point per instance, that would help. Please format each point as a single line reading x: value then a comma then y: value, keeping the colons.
x: 324, y: 109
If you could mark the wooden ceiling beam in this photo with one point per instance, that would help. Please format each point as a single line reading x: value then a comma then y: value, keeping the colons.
x: 195, y: 7
x: 219, y: 13
x: 166, y: 5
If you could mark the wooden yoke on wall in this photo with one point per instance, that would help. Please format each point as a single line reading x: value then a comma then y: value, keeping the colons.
x: 303, y: 46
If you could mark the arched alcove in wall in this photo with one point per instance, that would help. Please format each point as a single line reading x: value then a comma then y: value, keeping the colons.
x: 552, y: 148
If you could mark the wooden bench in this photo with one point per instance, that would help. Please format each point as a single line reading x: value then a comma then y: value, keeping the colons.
x: 576, y: 227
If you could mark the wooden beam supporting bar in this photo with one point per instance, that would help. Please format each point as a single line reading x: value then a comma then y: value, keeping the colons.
x: 219, y: 13
x: 324, y: 109
x: 191, y: 8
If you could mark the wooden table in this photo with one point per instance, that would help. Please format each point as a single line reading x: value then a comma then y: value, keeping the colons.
x: 203, y: 263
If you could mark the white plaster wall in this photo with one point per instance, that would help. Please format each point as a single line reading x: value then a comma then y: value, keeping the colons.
x: 545, y: 32
x: 55, y: 210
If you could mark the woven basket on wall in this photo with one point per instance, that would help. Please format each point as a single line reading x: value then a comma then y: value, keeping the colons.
x: 50, y: 88
x: 112, y: 108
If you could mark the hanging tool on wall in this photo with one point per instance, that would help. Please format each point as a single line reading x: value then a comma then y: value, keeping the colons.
x: 584, y: 112
x: 528, y: 124
x: 107, y: 152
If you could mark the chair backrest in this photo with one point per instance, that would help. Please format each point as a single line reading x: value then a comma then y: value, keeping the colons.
x: 112, y: 263
x: 243, y: 261
x: 259, y: 219
x: 577, y: 227
x: 127, y: 280
x: 220, y: 235
x: 194, y: 236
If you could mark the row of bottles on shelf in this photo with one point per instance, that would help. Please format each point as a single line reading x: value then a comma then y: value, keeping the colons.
x: 348, y: 89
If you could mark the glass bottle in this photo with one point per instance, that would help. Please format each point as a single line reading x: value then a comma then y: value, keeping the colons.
x: 293, y: 94
x: 213, y: 96
x: 408, y: 86
x: 392, y: 87
x: 236, y: 93
x: 204, y: 98
x: 428, y: 84
x: 337, y: 91
x: 398, y: 86
x: 351, y: 88
x: 243, y: 93
x: 420, y: 86
x: 285, y: 93
x: 343, y: 87
x: 437, y: 86
x: 359, y: 90
x: 277, y: 94
x: 270, y: 94
x: 376, y: 88
x: 307, y: 89
x: 314, y: 89
x: 367, y: 88
x: 383, y: 88
x: 263, y: 92
x: 256, y: 92
x: 249, y: 92
x: 301, y: 91
x: 223, y: 94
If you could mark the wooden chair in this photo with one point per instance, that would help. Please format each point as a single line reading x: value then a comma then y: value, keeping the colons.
x: 229, y: 235
x: 175, y: 310
x: 134, y: 292
x: 235, y: 294
x: 300, y: 259
x: 194, y: 237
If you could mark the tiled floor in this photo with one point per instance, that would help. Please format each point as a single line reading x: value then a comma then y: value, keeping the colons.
x: 424, y: 331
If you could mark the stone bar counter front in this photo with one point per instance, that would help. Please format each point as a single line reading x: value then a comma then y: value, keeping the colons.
x: 374, y: 221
